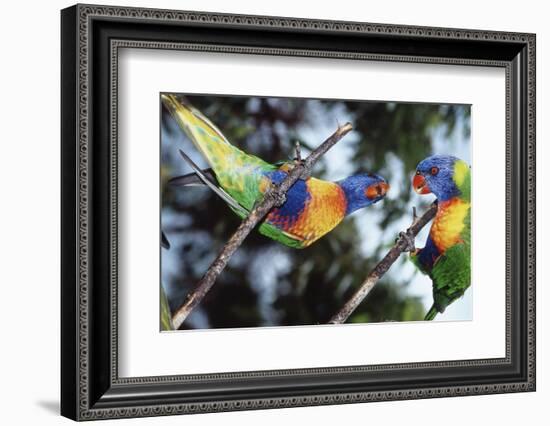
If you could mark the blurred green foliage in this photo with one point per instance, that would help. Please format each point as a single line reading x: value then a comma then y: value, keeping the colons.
x: 267, y: 284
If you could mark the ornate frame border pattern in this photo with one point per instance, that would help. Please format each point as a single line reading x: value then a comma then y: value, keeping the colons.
x: 91, y: 37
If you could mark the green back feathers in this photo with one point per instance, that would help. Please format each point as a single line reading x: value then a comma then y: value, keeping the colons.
x: 452, y: 270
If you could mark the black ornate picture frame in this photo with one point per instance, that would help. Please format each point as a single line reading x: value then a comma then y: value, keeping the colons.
x: 90, y: 38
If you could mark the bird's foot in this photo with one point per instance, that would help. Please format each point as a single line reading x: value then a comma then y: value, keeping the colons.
x: 407, y: 240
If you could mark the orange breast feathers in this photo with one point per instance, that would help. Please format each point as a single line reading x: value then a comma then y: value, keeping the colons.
x: 449, y: 223
x: 323, y: 211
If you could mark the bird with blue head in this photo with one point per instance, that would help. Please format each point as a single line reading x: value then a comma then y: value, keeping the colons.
x: 445, y: 257
x: 312, y: 207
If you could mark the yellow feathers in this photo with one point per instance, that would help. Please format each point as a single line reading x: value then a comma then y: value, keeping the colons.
x: 205, y: 135
x: 325, y: 210
x: 461, y: 172
x: 449, y: 223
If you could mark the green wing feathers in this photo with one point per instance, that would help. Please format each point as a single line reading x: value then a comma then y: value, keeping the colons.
x: 238, y: 173
x: 451, y: 275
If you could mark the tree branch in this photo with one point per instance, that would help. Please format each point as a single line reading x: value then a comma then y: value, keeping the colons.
x: 382, y: 267
x: 271, y: 198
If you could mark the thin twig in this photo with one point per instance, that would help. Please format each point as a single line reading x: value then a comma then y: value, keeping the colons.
x: 382, y: 267
x: 298, y: 152
x: 271, y: 198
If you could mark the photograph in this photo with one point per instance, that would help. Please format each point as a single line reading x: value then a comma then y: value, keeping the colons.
x: 330, y: 232
x: 267, y: 209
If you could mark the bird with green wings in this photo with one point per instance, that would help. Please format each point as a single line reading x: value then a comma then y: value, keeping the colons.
x: 312, y: 207
x: 445, y: 257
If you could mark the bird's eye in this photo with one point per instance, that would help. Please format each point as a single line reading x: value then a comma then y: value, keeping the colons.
x: 417, y: 172
x: 434, y: 171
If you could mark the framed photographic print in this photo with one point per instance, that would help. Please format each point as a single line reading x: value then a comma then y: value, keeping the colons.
x: 264, y: 212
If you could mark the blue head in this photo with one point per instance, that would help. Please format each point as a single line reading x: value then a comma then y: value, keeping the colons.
x: 363, y: 190
x: 436, y: 175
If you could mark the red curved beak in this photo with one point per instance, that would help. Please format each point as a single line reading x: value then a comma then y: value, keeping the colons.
x: 419, y: 185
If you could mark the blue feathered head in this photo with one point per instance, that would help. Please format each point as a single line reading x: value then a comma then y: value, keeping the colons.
x: 362, y: 190
x: 435, y: 175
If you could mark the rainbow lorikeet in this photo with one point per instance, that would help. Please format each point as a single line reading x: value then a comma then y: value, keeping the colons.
x: 311, y: 208
x: 446, y: 255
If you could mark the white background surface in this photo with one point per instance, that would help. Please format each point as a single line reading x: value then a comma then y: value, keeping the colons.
x: 141, y: 345
x: 29, y: 225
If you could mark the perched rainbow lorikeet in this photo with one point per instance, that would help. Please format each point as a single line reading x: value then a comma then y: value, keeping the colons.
x: 311, y: 208
x: 446, y: 255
